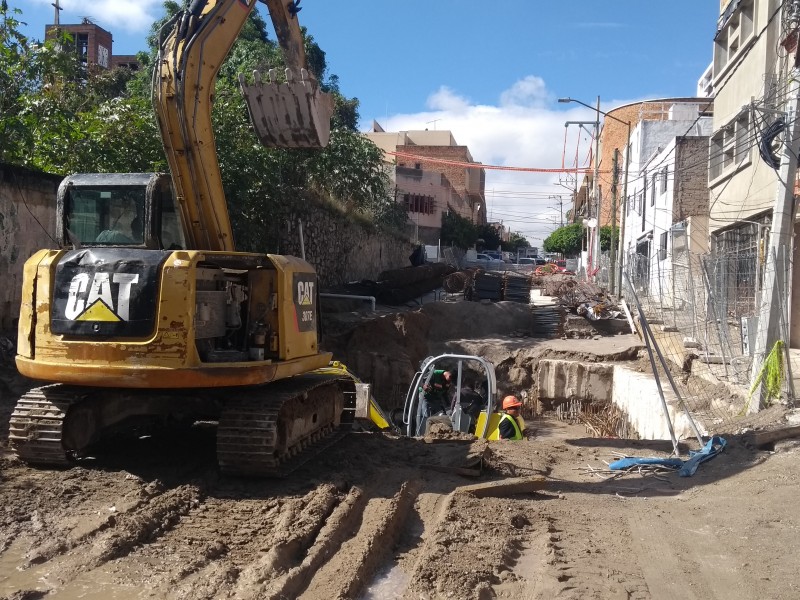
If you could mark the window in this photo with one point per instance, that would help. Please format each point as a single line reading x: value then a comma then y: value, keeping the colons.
x: 662, y: 246
x: 730, y: 146
x: 664, y: 175
x: 110, y: 215
x: 419, y: 204
x: 653, y: 190
x: 735, y: 33
x: 644, y: 210
x: 82, y: 46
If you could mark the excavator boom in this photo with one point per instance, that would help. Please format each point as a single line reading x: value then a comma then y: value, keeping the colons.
x: 294, y: 114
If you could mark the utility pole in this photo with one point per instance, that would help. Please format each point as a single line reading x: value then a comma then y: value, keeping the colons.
x: 780, y: 239
x: 623, y: 209
x: 560, y: 207
x: 614, y: 180
x: 596, y: 187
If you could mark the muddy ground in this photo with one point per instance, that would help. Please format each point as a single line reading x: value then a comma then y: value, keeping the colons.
x: 377, y: 516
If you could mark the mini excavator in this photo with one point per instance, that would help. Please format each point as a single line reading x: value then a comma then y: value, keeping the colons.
x: 147, y: 311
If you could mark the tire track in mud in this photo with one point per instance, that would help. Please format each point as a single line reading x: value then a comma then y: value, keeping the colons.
x: 492, y: 531
x: 229, y: 545
x: 381, y: 524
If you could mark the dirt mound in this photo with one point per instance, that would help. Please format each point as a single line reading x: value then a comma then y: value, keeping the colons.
x: 388, y: 350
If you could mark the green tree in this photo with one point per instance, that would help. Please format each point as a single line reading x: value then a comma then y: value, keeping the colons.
x: 490, y: 236
x: 606, y: 238
x: 458, y: 231
x: 565, y: 240
x: 515, y: 242
x: 56, y: 117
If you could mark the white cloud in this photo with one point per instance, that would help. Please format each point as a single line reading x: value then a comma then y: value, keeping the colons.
x: 521, y: 131
x: 446, y: 100
x: 530, y: 91
x: 134, y: 17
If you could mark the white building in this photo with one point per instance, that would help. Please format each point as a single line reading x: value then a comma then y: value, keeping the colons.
x: 667, y: 194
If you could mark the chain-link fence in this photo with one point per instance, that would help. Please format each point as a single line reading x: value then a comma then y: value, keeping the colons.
x: 703, y: 311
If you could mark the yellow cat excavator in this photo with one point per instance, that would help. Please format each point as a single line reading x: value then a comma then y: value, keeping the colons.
x: 148, y: 312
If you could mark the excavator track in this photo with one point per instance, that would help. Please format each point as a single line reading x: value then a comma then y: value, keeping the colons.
x: 37, y: 424
x: 270, y: 431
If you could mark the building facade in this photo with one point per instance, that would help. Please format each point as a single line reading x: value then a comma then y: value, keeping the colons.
x: 93, y: 45
x: 433, y: 176
x: 755, y: 47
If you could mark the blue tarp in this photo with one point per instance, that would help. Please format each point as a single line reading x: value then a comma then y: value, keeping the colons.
x: 685, y: 468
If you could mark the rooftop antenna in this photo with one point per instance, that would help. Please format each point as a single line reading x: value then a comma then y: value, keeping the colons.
x: 58, y: 8
x: 434, y: 123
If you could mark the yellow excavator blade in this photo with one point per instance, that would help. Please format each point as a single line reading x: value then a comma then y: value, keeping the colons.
x: 290, y: 114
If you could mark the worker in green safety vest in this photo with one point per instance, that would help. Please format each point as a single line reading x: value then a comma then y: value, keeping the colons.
x: 509, y: 427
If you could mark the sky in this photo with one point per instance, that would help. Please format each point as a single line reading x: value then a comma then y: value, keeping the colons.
x: 490, y: 72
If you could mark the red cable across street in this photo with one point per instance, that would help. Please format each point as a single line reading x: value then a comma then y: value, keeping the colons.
x: 467, y: 165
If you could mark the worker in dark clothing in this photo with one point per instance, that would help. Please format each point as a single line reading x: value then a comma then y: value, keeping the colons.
x: 509, y: 427
x: 433, y: 398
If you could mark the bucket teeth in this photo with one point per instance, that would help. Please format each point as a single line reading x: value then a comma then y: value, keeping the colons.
x: 292, y: 114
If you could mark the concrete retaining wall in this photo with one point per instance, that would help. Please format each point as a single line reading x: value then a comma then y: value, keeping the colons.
x: 634, y: 393
x: 27, y: 224
x: 568, y: 379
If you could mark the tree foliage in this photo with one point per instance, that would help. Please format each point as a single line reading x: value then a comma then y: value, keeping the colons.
x: 515, y: 242
x: 489, y: 236
x: 565, y: 240
x: 458, y: 231
x: 606, y: 238
x: 57, y: 117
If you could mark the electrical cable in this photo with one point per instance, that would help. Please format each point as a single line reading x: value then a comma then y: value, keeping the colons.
x: 765, y: 148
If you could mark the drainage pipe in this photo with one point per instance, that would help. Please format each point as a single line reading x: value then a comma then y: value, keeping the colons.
x: 370, y: 298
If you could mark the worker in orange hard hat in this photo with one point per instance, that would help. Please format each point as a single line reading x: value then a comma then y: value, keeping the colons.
x: 509, y: 426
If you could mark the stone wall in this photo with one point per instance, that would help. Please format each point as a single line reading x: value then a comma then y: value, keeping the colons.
x: 341, y: 248
x: 27, y: 224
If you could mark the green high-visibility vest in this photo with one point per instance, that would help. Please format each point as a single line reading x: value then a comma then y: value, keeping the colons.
x: 517, y: 433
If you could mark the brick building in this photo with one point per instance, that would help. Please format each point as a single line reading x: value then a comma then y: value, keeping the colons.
x: 94, y: 45
x: 613, y: 136
x: 432, y: 175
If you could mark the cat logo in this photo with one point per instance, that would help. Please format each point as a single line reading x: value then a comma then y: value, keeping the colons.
x: 90, y: 297
x: 305, y: 293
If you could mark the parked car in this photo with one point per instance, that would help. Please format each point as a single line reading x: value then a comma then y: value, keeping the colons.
x: 489, y: 261
x: 484, y: 257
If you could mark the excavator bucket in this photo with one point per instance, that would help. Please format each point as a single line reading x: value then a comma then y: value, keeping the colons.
x: 289, y: 114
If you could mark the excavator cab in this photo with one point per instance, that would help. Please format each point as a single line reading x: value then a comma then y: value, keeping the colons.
x: 119, y: 209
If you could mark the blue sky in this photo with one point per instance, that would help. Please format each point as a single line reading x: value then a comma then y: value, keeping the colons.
x: 490, y: 72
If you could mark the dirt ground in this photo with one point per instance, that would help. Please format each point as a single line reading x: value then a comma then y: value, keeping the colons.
x: 377, y: 516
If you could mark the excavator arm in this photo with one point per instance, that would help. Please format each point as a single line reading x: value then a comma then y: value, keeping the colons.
x: 290, y: 114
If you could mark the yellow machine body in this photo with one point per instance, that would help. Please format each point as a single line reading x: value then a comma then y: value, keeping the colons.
x: 168, y: 357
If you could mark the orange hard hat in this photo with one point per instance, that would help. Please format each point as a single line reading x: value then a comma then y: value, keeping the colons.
x: 511, y: 402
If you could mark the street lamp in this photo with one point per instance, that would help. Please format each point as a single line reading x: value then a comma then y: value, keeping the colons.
x: 595, y: 185
x: 614, y: 272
